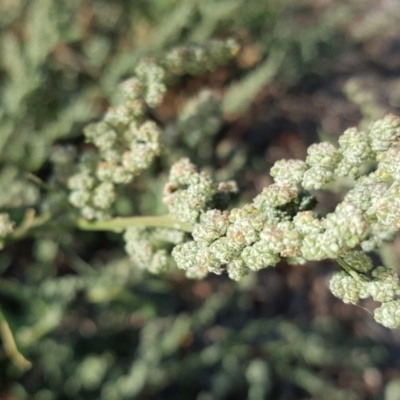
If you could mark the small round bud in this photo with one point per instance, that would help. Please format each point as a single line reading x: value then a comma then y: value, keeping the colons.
x: 385, y: 285
x: 237, y: 269
x: 290, y: 171
x: 104, y: 195
x: 316, y: 178
x: 355, y: 147
x: 307, y: 222
x: 276, y: 195
x: 324, y: 155
x: 225, y: 250
x: 346, y: 288
x: 388, y: 314
x: 384, y: 133
x: 213, y: 224
x: 258, y: 256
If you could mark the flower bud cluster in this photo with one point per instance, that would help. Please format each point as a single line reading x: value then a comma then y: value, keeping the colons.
x: 126, y: 141
x: 6, y: 227
x: 126, y: 146
x: 139, y: 247
x: 376, y: 195
x: 262, y: 233
x: 148, y: 248
x: 280, y: 223
x: 348, y: 289
x: 388, y: 314
x: 383, y: 287
x: 188, y: 193
x: 325, y: 162
x: 92, y: 196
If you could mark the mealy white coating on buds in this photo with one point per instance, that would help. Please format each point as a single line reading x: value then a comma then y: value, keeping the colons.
x: 104, y: 195
x: 389, y: 165
x: 384, y: 133
x: 246, y: 224
x: 257, y: 256
x: 322, y: 155
x: 81, y: 181
x: 346, y: 288
x: 376, y: 235
x: 188, y: 193
x: 366, y: 192
x: 186, y: 258
x: 102, y: 135
x: 79, y: 198
x: 169, y: 235
x: 337, y: 232
x: 152, y: 78
x: 385, y: 285
x: 307, y: 222
x: 354, y: 150
x: 275, y: 195
x: 313, y: 237
x: 291, y: 239
x: 213, y: 224
x: 225, y: 250
x: 279, y: 223
x: 237, y: 269
x: 127, y: 144
x: 348, y: 224
x: 185, y: 255
x: 354, y: 146
x: 291, y: 171
x: 386, y: 208
x: 316, y: 178
x: 388, y: 314
x: 142, y: 252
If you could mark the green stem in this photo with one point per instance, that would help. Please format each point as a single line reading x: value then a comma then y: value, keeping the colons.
x: 119, y: 224
x: 45, y: 223
x: 350, y: 270
x: 10, y: 346
x: 29, y: 222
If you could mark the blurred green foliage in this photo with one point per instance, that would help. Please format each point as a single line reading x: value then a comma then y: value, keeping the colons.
x: 93, y: 326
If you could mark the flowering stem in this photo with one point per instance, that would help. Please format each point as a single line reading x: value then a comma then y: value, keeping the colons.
x: 120, y: 223
x: 32, y: 223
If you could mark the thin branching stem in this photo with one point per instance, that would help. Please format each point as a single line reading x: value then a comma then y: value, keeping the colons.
x: 10, y: 347
x: 120, y: 224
